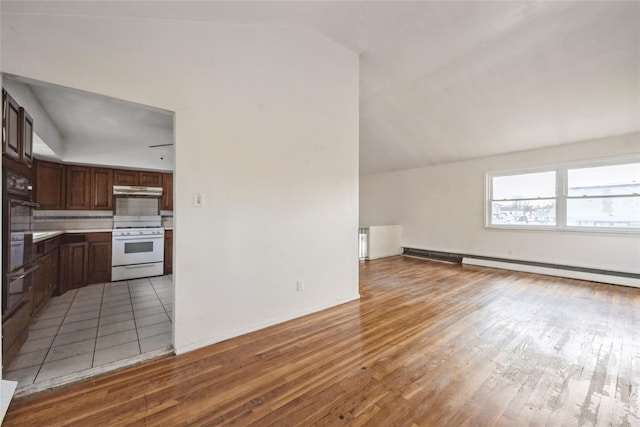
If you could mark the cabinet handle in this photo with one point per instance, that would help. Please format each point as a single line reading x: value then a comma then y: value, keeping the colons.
x: 142, y: 239
x: 24, y: 274
x: 28, y: 204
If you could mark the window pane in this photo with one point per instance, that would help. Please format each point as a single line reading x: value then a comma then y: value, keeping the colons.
x: 524, y: 212
x: 524, y: 186
x: 619, y: 212
x: 605, y: 180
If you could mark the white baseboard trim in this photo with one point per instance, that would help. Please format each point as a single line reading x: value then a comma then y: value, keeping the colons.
x: 558, y: 272
x: 387, y: 255
x: 180, y: 349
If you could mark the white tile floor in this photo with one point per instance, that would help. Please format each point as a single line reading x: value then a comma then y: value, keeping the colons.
x: 92, y: 327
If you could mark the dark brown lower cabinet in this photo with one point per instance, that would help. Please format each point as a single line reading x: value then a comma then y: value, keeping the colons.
x: 53, y: 272
x: 45, y: 278
x: 15, y: 330
x: 84, y: 259
x: 74, y: 265
x: 44, y: 282
x: 40, y: 285
x: 168, y: 251
x: 64, y: 263
x: 99, y: 257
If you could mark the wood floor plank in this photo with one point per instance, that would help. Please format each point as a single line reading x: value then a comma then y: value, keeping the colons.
x: 428, y: 344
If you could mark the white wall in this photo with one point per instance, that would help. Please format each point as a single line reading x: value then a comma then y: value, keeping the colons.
x: 87, y: 152
x: 1, y: 83
x: 385, y: 241
x: 442, y: 208
x: 95, y: 153
x: 266, y: 127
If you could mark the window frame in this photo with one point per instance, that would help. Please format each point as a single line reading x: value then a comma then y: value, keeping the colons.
x: 561, y: 198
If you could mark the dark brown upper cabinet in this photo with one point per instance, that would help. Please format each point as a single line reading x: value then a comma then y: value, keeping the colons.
x: 150, y: 179
x: 167, y: 191
x: 11, y: 131
x: 17, y: 131
x: 101, y: 188
x: 125, y: 177
x: 143, y: 178
x: 78, y: 187
x: 26, y: 152
x: 50, y: 185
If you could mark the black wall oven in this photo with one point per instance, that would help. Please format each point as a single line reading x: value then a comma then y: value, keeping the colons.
x: 17, y: 240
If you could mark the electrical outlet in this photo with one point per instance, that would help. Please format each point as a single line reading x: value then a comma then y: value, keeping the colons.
x: 299, y: 286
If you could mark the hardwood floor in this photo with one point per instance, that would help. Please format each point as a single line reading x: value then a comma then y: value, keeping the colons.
x: 428, y: 344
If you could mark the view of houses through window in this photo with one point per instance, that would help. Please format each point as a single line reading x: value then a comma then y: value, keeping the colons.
x: 605, y: 196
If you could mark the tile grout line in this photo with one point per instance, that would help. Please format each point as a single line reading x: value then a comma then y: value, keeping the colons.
x: 70, y: 305
x: 95, y: 341
x: 133, y: 313
x: 55, y: 336
x: 160, y: 299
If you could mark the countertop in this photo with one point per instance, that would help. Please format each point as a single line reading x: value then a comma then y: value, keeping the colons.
x: 39, y: 236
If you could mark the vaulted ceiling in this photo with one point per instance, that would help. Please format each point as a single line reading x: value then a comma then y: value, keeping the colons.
x: 448, y: 81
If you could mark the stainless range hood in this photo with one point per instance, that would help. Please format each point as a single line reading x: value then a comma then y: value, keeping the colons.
x: 135, y: 190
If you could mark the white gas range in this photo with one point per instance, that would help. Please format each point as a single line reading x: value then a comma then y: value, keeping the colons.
x: 137, y: 248
x: 137, y: 252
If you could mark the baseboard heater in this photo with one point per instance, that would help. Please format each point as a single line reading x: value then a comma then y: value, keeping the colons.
x: 581, y: 273
x: 435, y: 255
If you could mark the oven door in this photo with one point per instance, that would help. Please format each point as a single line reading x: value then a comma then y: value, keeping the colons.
x: 128, y: 250
x: 19, y: 283
x: 20, y: 233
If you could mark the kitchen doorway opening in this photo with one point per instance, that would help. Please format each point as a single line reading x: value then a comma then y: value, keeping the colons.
x: 86, y: 320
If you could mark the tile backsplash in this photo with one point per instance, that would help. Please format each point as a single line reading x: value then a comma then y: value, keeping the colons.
x: 167, y: 219
x: 137, y: 206
x: 72, y: 220
x: 58, y: 220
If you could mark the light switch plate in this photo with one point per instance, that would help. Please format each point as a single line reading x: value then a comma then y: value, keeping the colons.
x: 198, y: 200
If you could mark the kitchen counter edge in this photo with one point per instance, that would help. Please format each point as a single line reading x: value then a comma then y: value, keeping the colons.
x: 39, y: 236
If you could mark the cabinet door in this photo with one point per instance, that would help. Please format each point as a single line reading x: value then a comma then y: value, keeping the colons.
x: 53, y: 272
x: 167, y: 191
x: 26, y: 137
x: 50, y: 185
x: 40, y: 284
x: 168, y: 252
x: 101, y: 188
x: 124, y: 177
x: 45, y: 279
x: 78, y: 187
x: 10, y: 126
x: 151, y: 179
x: 74, y: 262
x: 99, y: 258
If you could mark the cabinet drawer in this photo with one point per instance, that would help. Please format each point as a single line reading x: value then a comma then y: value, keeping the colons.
x: 51, y: 244
x: 99, y: 237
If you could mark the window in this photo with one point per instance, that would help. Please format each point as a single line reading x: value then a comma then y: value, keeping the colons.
x: 524, y: 199
x: 581, y: 197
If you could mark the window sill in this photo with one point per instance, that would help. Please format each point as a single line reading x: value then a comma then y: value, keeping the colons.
x: 585, y: 230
